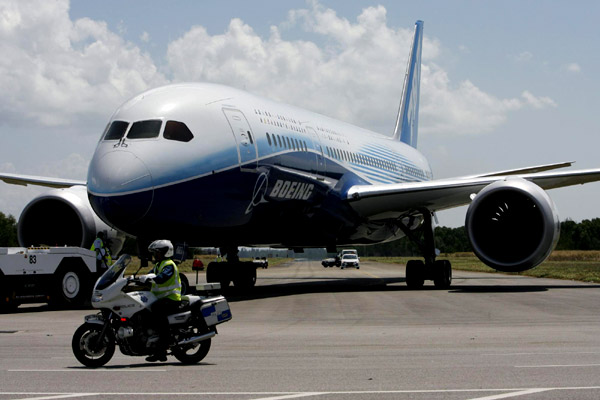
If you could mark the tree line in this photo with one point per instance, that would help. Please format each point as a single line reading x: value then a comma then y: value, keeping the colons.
x: 584, y: 235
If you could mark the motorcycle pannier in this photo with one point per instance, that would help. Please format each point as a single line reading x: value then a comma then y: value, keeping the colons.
x: 215, y: 310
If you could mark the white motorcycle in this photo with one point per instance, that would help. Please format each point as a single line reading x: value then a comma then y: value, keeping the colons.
x: 125, y: 320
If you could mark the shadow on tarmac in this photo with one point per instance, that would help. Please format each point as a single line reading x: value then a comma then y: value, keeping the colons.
x: 336, y: 285
x: 315, y: 285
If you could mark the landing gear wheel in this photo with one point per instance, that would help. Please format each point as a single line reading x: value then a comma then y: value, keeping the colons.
x: 86, y: 348
x: 415, y: 270
x: 442, y: 274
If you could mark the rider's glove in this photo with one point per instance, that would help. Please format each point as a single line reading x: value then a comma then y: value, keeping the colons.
x: 145, y: 278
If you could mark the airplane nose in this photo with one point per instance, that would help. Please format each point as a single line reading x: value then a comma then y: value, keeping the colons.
x: 120, y: 187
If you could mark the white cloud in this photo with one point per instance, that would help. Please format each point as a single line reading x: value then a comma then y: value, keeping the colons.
x: 54, y: 71
x: 145, y: 37
x: 537, y: 102
x: 74, y: 166
x: 573, y: 67
x: 357, y: 76
x: 524, y: 56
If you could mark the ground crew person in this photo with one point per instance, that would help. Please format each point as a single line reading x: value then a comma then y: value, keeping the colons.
x: 166, y: 286
x: 103, y: 258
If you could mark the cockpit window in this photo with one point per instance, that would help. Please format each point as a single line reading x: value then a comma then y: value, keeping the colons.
x: 145, y: 129
x: 116, y: 130
x: 177, y: 131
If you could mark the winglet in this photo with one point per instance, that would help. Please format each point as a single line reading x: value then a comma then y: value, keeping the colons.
x: 407, y: 121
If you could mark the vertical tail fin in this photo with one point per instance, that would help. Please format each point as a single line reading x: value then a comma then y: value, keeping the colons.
x: 407, y: 121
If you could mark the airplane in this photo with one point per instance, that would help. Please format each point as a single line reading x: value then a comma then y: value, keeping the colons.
x: 210, y: 165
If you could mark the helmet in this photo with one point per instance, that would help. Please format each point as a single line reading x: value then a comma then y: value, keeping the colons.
x: 161, y: 246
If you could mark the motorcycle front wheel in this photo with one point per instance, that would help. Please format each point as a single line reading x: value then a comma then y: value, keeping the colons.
x: 86, y: 348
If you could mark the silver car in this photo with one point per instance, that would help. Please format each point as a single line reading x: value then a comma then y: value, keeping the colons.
x: 350, y: 260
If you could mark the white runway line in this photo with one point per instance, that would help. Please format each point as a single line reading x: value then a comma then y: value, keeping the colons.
x: 508, y: 393
x: 292, y: 396
x: 60, y: 396
x: 558, y: 366
x: 512, y: 394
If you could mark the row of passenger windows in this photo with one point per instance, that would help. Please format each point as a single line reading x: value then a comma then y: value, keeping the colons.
x: 285, y: 142
x: 361, y: 159
x: 174, y: 130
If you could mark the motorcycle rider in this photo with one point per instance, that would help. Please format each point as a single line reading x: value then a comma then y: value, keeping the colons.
x: 166, y: 286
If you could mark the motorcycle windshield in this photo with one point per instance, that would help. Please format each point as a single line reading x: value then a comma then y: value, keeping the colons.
x: 113, y: 273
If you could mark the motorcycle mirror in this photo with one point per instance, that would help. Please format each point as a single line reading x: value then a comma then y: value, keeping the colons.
x: 136, y: 272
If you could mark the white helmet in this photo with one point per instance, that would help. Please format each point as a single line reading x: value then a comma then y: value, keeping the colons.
x: 163, y: 246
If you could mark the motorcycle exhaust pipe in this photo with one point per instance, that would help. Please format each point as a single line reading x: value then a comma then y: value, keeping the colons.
x: 197, y: 339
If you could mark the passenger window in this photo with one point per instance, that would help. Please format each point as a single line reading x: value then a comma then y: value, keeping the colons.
x: 116, y: 130
x: 145, y: 129
x: 269, y: 138
x: 176, y: 131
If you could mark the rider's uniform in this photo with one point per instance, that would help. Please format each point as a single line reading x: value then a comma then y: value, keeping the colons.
x: 167, y: 283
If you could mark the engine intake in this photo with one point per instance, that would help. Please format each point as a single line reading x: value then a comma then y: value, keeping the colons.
x: 63, y: 217
x: 512, y: 225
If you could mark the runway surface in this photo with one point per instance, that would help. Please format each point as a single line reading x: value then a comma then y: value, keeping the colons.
x: 329, y: 334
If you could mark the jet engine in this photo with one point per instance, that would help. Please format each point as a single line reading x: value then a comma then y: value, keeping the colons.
x: 64, y: 217
x: 512, y: 225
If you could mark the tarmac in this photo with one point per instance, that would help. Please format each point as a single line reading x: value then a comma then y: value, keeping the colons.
x: 326, y: 334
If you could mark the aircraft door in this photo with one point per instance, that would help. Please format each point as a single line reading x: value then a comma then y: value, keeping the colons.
x: 320, y: 172
x: 244, y: 137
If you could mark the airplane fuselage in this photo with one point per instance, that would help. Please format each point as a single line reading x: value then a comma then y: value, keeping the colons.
x: 213, y: 166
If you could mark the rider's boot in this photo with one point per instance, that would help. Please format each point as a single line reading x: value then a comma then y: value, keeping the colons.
x: 159, y: 356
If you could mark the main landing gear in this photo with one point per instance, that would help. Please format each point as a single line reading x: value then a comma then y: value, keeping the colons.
x: 417, y: 271
x: 242, y: 274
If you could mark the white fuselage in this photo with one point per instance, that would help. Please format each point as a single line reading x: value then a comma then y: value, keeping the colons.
x: 249, y: 158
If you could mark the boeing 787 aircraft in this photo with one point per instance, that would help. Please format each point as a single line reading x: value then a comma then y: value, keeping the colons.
x: 214, y: 166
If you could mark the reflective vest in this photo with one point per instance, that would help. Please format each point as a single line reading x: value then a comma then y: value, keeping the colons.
x: 171, y: 288
x: 102, y: 253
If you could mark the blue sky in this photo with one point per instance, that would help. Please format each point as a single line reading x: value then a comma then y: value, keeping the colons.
x: 505, y: 84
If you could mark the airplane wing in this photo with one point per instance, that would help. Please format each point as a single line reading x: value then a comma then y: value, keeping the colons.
x: 388, y: 201
x: 25, y: 180
x: 528, y: 170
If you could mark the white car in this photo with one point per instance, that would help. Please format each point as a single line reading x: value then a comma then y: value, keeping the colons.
x: 350, y: 260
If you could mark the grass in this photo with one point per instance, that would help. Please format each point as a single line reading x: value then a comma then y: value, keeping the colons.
x: 562, y: 264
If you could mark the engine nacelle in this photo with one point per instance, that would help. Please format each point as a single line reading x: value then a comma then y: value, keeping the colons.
x: 64, y: 217
x: 512, y: 225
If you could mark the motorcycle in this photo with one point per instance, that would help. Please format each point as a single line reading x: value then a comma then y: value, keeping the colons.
x: 125, y: 320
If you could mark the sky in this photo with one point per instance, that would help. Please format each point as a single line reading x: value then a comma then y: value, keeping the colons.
x: 504, y: 84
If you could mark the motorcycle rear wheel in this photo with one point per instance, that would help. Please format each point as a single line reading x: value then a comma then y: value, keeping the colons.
x: 192, y: 354
x: 87, y: 350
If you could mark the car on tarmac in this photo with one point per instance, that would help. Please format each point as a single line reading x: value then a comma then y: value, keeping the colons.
x: 350, y: 260
x: 261, y: 262
x: 331, y: 262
